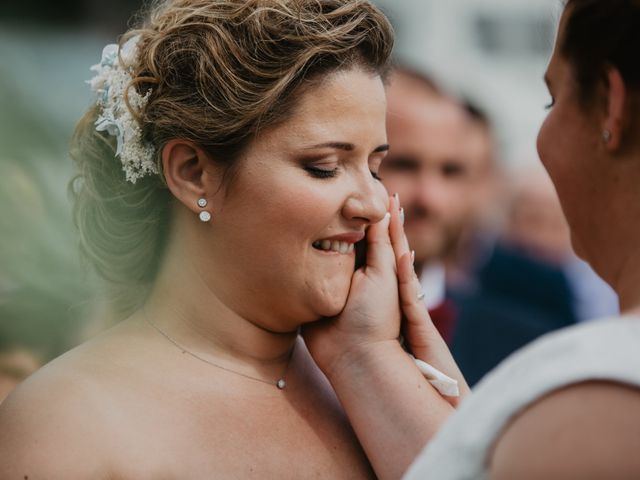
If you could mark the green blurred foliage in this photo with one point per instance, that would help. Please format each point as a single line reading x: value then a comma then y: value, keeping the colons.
x: 44, y: 292
x: 48, y: 299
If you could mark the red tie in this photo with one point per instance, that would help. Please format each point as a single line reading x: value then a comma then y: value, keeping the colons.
x: 444, y: 318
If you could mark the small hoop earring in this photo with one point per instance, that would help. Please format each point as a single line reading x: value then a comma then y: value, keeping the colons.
x: 204, y: 215
x: 606, y: 136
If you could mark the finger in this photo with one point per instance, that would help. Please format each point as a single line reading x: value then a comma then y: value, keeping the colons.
x: 409, y: 285
x: 380, y: 254
x: 418, y: 321
x: 396, y: 229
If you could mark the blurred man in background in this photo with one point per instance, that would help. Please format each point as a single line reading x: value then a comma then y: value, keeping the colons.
x: 441, y: 180
x: 490, y: 261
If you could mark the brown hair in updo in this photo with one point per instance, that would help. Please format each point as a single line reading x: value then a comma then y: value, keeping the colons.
x: 598, y: 33
x: 219, y: 71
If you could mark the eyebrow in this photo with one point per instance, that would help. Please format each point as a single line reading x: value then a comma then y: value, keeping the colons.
x: 347, y: 147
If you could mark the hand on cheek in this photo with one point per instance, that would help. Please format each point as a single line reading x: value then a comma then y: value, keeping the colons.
x: 372, y: 311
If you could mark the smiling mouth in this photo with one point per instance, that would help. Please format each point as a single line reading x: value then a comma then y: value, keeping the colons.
x: 334, y: 246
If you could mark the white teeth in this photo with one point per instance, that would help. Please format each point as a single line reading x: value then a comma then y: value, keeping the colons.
x: 334, y: 246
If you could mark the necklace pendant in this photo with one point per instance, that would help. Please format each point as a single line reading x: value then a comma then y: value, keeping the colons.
x: 281, y: 384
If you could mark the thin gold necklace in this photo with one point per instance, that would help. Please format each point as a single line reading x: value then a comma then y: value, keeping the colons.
x: 280, y: 383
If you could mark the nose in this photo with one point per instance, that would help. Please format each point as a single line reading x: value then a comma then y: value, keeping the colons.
x: 428, y: 190
x: 367, y: 202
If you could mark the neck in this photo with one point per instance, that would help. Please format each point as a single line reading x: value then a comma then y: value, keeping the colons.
x: 627, y: 284
x: 186, y: 307
x: 612, y: 247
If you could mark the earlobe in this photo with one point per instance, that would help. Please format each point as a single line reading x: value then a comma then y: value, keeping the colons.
x: 185, y: 171
x: 613, y: 129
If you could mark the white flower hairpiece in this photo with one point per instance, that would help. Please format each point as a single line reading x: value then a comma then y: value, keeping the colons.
x: 113, y: 76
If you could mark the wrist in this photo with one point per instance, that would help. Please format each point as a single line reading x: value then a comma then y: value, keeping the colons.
x: 363, y: 360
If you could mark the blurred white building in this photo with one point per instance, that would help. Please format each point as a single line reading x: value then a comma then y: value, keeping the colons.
x: 493, y: 52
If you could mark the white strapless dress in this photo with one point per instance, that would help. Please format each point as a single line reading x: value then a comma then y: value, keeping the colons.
x: 598, y: 350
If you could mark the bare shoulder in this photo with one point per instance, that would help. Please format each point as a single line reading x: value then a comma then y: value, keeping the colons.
x: 46, y: 429
x: 54, y: 424
x: 589, y: 430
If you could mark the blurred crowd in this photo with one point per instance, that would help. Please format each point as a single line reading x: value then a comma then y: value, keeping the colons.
x: 492, y: 247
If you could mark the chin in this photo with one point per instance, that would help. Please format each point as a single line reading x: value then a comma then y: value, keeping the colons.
x: 427, y: 248
x: 331, y: 299
x: 332, y: 307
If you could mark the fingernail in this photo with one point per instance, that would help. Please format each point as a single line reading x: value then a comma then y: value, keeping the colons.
x: 413, y: 256
x: 397, y: 197
x: 402, y: 216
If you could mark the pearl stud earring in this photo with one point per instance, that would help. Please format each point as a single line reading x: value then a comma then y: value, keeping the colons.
x: 606, y: 136
x: 204, y: 215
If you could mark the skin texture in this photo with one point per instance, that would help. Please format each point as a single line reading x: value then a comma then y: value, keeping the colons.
x: 235, y: 291
x: 438, y: 164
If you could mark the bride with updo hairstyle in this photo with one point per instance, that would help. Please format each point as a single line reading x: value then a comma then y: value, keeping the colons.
x: 226, y: 173
x: 216, y: 73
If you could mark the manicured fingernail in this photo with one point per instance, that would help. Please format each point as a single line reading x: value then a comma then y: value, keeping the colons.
x: 402, y: 216
x: 397, y: 197
x: 413, y: 256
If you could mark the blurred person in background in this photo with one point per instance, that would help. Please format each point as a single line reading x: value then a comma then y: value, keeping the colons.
x: 519, y: 290
x: 536, y: 225
x: 443, y: 165
x: 439, y: 176
x: 535, y: 222
x: 529, y: 284
x: 480, y: 229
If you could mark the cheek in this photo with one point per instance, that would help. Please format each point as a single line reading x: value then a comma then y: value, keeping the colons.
x: 288, y: 208
x: 456, y: 199
x: 560, y: 142
x: 561, y: 149
x: 544, y: 142
x: 269, y: 225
